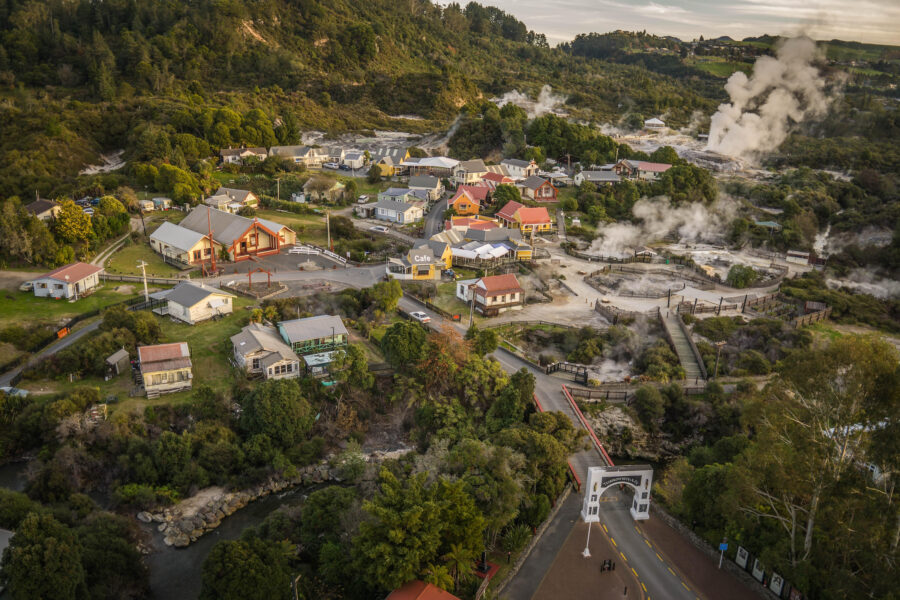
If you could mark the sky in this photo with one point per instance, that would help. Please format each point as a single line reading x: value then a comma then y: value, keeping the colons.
x: 873, y: 21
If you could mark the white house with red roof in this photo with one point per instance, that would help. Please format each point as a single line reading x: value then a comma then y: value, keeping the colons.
x: 640, y: 169
x: 492, y: 295
x: 492, y: 180
x: 70, y: 281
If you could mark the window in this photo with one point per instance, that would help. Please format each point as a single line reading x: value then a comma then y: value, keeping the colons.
x: 196, y: 255
x: 255, y: 363
x: 644, y: 496
x: 593, y: 497
x: 207, y: 252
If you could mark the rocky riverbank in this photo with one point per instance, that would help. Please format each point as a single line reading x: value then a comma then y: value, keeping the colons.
x: 193, y: 517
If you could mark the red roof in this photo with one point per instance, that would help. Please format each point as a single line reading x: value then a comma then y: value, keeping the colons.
x: 419, y: 590
x: 464, y: 193
x: 479, y: 225
x: 533, y: 216
x: 72, y: 273
x: 497, y: 178
x: 478, y: 192
x: 496, y: 285
x: 163, y: 352
x: 508, y: 212
x: 653, y: 167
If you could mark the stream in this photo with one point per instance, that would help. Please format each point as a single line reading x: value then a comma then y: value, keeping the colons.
x: 176, y: 573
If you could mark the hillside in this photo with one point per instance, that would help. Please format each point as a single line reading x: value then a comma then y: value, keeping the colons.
x: 157, y: 79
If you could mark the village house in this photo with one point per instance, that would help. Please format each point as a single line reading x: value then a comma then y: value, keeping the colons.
x: 239, y: 236
x: 538, y: 189
x: 71, y: 281
x: 509, y: 238
x: 398, y: 212
x: 426, y: 260
x: 492, y: 295
x: 469, y: 172
x: 196, y: 302
x: 165, y: 368
x: 312, y: 335
x: 237, y: 156
x: 438, y: 166
x: 526, y: 219
x: 468, y: 199
x: 355, y: 160
x: 388, y: 160
x: 474, y: 222
x: 520, y: 169
x: 640, y: 169
x: 492, y: 180
x: 308, y: 156
x: 181, y: 246
x: 118, y: 362
x: 429, y: 184
x: 161, y: 203
x: 419, y: 590
x: 596, y: 177
x: 259, y: 350
x: 336, y: 154
x: 232, y: 200
x: 43, y: 209
x: 323, y: 189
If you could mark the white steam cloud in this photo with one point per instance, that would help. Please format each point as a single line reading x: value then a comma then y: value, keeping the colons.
x: 546, y: 102
x: 866, y: 282
x: 782, y: 92
x: 658, y: 218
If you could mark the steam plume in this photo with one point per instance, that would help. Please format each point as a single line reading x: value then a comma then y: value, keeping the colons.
x: 691, y: 222
x: 782, y: 92
x: 546, y: 101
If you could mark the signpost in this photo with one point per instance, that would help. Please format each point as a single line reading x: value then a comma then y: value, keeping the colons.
x: 722, y: 548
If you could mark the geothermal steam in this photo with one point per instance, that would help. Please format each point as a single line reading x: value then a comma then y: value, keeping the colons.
x: 691, y: 222
x: 782, y: 92
x: 546, y: 101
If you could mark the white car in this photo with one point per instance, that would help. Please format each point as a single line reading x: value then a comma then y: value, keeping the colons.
x: 26, y: 286
x: 331, y: 165
x: 378, y: 228
x: 11, y: 391
x: 420, y: 317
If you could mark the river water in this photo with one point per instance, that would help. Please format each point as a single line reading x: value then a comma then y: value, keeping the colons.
x: 175, y: 574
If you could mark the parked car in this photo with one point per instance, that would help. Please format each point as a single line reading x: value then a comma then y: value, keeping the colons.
x: 26, y: 286
x: 12, y: 391
x: 378, y: 228
x: 345, y: 167
x: 331, y: 165
x: 420, y: 317
x: 88, y: 211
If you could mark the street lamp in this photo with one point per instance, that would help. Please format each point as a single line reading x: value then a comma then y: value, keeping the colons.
x: 587, y: 545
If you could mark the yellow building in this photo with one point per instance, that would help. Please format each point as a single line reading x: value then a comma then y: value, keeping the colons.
x: 423, y: 262
x: 165, y: 368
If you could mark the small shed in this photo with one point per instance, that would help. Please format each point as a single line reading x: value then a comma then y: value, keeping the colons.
x: 162, y: 203
x: 119, y: 361
x: 147, y: 205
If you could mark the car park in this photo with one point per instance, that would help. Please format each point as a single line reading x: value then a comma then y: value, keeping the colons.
x: 420, y: 317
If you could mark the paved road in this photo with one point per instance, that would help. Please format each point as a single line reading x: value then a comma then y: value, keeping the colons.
x: 635, y: 549
x: 51, y: 349
x: 434, y: 220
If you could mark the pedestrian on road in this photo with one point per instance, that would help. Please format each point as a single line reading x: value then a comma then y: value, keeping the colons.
x: 508, y: 555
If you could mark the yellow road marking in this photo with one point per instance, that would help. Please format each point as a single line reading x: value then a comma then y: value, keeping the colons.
x: 685, y: 586
x: 658, y: 556
x: 636, y: 529
x: 633, y: 571
x: 672, y: 572
x: 604, y: 527
x: 613, y: 540
x: 643, y: 586
x: 625, y: 558
x: 648, y: 543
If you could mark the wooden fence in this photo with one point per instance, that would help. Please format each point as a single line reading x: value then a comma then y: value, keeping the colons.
x: 613, y: 314
x: 811, y: 318
x: 607, y: 395
x: 140, y: 279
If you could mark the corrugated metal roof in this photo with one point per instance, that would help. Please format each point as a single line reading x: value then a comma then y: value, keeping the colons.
x: 311, y: 328
x: 190, y: 294
x: 72, y: 272
x: 177, y: 236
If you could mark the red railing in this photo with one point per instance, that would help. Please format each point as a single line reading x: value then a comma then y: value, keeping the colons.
x: 585, y: 424
x: 538, y: 404
x: 575, y: 476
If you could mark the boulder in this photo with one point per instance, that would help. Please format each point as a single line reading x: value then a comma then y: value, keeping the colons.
x: 181, y: 540
x: 144, y: 517
x: 158, y: 517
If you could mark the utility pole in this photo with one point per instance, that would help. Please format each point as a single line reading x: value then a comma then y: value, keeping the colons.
x: 328, y: 228
x: 143, y: 267
x: 471, y: 305
x: 718, y: 352
x: 278, y: 188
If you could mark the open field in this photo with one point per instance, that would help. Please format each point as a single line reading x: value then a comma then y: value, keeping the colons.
x: 125, y: 261
x: 720, y: 67
x: 309, y: 228
x: 24, y: 308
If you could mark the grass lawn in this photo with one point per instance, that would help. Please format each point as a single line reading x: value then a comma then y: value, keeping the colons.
x: 26, y: 309
x: 309, y: 228
x: 125, y: 261
x: 721, y: 68
x: 154, y: 219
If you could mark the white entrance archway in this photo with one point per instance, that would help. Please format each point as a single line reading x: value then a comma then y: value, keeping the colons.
x: 600, y: 479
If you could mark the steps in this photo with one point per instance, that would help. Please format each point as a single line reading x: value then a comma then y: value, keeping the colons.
x: 682, y: 346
